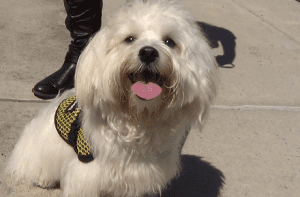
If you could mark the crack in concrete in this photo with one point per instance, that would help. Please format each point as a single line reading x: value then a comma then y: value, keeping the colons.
x: 267, y: 22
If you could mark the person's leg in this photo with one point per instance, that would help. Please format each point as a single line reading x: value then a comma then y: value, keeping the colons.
x: 83, y: 20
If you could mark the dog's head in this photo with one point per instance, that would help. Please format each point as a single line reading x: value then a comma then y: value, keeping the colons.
x: 149, y: 61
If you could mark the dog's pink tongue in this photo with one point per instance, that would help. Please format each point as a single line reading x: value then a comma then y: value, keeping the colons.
x: 146, y: 91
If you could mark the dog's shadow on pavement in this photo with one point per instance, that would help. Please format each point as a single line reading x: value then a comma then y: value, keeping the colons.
x: 198, y: 178
x: 214, y: 35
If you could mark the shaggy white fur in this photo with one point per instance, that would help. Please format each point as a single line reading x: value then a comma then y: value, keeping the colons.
x: 136, y: 143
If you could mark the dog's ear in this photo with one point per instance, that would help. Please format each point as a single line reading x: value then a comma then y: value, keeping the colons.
x: 201, y: 70
x: 88, y: 65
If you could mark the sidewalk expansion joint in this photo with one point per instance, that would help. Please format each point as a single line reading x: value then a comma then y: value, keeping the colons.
x: 217, y: 107
x: 23, y: 100
x: 257, y: 108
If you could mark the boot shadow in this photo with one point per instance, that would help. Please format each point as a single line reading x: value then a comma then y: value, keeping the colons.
x: 214, y: 35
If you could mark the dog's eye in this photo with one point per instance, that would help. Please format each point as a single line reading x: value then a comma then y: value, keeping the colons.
x: 170, y: 43
x: 129, y: 39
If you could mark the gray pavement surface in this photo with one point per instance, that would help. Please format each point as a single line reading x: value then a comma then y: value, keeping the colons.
x: 253, y: 132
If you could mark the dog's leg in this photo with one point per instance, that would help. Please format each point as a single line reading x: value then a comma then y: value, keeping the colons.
x: 39, y: 153
x: 81, y: 179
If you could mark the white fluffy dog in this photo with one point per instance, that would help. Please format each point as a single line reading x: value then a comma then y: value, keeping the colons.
x: 141, y: 83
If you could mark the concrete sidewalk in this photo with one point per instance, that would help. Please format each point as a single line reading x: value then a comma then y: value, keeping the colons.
x: 253, y: 132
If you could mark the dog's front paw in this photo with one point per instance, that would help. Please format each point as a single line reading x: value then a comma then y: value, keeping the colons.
x: 46, y: 184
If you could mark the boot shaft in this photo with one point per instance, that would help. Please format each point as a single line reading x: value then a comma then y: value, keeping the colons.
x: 83, y: 20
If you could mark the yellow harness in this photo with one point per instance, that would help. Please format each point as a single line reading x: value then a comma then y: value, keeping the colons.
x: 69, y: 128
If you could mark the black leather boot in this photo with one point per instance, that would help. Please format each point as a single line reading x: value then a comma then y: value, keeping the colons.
x: 83, y: 20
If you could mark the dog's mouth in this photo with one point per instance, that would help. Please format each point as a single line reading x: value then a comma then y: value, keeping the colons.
x: 147, y: 84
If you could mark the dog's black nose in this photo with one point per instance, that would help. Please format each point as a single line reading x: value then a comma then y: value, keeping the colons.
x: 148, y: 54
